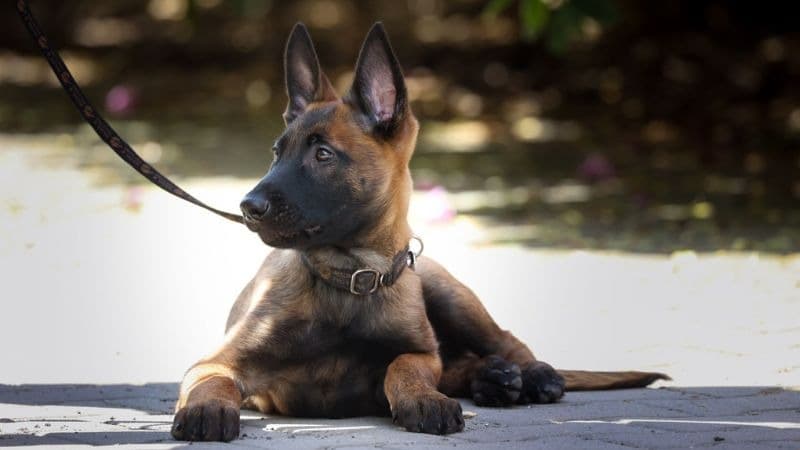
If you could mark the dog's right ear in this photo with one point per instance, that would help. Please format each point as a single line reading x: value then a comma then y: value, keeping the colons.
x: 379, y: 90
x: 305, y: 82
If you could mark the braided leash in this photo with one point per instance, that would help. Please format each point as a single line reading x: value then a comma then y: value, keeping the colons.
x: 100, y: 126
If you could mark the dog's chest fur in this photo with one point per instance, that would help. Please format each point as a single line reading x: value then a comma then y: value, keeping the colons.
x: 322, y: 371
x: 316, y: 350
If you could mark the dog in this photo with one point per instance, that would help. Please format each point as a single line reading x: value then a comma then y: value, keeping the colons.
x: 342, y: 319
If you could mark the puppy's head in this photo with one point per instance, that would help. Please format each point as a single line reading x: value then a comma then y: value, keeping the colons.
x: 341, y: 165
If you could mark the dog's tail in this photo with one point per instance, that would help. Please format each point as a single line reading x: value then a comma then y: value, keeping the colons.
x: 583, y: 380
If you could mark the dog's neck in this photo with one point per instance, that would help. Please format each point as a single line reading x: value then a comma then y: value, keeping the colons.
x: 360, y: 270
x: 377, y: 251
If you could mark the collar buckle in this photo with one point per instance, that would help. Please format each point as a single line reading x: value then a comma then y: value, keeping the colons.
x: 377, y: 280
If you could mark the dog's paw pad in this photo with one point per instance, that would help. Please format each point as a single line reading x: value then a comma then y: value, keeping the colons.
x: 541, y: 384
x: 498, y: 383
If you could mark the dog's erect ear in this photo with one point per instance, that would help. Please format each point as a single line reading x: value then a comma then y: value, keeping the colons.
x: 379, y: 90
x: 305, y: 82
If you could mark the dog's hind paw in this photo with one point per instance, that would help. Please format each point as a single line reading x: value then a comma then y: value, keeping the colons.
x: 498, y: 383
x: 541, y: 384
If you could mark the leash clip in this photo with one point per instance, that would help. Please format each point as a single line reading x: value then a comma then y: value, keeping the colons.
x: 377, y: 278
x: 411, y: 261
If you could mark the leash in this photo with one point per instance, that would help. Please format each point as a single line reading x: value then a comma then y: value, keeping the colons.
x: 100, y: 126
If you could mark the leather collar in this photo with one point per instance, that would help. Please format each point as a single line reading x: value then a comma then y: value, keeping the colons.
x: 364, y: 281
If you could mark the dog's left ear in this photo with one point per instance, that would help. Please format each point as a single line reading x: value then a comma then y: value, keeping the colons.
x: 379, y: 90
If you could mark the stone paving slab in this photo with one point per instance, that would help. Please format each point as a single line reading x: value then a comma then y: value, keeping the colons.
x: 139, y: 417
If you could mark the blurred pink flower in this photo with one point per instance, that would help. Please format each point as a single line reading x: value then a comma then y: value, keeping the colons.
x: 120, y: 100
x: 596, y: 167
x: 435, y: 207
x: 132, y: 198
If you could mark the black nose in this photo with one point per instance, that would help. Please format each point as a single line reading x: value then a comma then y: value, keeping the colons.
x: 254, y: 207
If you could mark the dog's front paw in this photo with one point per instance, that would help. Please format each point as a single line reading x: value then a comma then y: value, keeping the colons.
x: 498, y: 383
x: 541, y: 384
x: 210, y: 421
x: 433, y: 414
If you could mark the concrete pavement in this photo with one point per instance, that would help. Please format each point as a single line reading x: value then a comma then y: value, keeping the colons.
x: 139, y: 417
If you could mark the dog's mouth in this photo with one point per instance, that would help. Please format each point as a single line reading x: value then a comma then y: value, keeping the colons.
x: 313, y: 230
x: 284, y: 237
x: 251, y: 223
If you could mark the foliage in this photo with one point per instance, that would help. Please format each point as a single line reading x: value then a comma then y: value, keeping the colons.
x: 556, y: 22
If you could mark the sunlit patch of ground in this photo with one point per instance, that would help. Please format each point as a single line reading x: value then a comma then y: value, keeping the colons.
x: 109, y: 282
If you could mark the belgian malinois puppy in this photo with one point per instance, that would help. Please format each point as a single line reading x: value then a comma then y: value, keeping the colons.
x: 341, y: 319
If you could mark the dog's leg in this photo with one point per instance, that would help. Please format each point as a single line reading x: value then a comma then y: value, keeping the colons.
x: 488, y: 363
x: 410, y: 387
x: 208, y: 406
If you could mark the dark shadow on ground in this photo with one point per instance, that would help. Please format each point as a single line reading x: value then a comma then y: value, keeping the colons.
x: 152, y: 398
x: 95, y: 437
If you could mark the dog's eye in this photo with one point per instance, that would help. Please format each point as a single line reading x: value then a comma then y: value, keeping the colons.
x: 324, y: 154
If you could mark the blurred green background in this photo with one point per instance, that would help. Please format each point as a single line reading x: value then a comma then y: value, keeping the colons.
x: 602, y: 124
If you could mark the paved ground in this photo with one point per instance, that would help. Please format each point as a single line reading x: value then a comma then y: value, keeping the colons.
x: 137, y: 416
x: 124, y: 287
